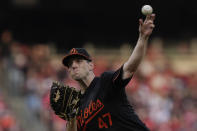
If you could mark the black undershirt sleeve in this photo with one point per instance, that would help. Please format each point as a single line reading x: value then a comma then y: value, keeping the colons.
x: 118, y: 79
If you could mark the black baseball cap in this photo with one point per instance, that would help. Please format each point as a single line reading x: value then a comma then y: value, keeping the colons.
x: 76, y: 52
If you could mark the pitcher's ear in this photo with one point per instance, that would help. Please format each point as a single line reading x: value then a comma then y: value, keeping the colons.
x: 91, y: 64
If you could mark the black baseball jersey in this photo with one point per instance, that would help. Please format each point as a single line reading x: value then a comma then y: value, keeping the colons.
x: 104, y: 106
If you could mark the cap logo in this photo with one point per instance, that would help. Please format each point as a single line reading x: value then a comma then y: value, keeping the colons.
x: 73, y: 51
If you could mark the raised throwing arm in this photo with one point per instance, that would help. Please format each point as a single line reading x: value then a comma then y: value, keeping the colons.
x: 145, y: 30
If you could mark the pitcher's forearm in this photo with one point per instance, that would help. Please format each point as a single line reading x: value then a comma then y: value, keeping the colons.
x: 137, y: 54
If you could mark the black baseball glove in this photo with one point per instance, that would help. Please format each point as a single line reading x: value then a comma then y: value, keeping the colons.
x: 64, y: 100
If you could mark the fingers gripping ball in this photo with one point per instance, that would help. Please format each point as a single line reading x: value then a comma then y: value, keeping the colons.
x: 64, y: 101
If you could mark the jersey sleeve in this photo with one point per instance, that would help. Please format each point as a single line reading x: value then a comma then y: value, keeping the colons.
x: 114, y: 78
x: 118, y: 80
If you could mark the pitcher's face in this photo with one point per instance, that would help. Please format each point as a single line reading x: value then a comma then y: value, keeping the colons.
x: 79, y: 68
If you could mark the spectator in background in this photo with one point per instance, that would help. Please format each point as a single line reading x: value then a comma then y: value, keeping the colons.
x: 6, y: 40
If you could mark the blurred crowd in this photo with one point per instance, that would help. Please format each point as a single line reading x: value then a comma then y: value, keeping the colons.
x: 165, y: 100
x: 7, y: 119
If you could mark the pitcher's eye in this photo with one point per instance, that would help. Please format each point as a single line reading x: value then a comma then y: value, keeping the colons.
x: 79, y: 60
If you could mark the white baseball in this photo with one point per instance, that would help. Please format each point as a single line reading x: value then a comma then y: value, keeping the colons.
x: 147, y: 10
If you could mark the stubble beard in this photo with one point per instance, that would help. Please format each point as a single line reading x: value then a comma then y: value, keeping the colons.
x: 81, y: 77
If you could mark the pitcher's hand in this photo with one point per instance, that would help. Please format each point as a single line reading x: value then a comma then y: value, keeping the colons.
x: 146, y: 27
